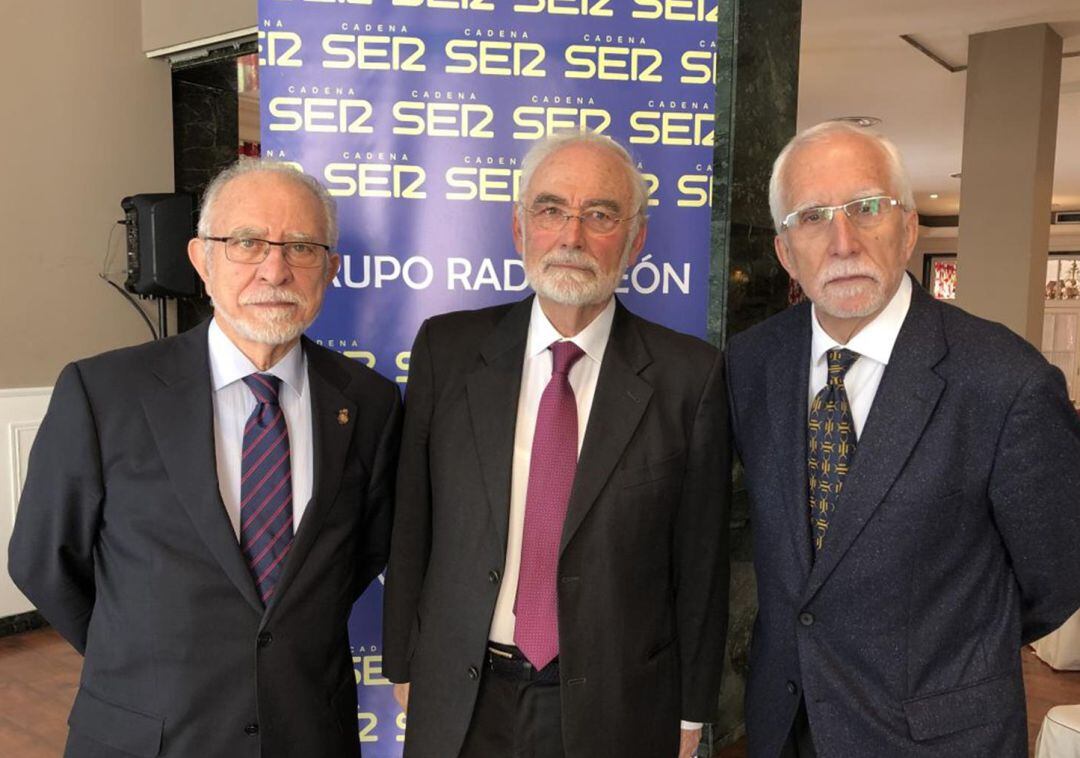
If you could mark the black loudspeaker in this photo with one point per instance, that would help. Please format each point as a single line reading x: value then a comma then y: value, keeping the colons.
x: 158, y: 229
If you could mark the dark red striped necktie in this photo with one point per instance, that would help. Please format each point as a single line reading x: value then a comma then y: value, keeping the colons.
x: 266, y: 517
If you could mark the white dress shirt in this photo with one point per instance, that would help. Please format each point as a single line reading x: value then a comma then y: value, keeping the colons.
x: 535, y: 375
x: 874, y: 344
x: 233, y: 404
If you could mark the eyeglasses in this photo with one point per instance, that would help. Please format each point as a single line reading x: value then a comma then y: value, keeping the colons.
x: 864, y: 213
x: 552, y: 218
x: 255, y: 250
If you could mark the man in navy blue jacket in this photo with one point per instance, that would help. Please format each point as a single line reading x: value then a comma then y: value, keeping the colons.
x: 915, y: 481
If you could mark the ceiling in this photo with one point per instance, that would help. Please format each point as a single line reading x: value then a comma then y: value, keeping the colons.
x: 853, y: 63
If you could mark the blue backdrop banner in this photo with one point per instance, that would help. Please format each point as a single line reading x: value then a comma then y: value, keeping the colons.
x: 415, y: 115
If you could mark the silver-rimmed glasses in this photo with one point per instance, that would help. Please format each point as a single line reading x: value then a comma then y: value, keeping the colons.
x: 300, y: 254
x: 863, y: 212
x: 552, y: 218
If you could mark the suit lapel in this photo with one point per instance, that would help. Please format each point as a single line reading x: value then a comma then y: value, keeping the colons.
x: 904, y: 402
x: 787, y: 381
x: 330, y: 444
x: 619, y: 403
x: 492, y: 390
x: 180, y: 414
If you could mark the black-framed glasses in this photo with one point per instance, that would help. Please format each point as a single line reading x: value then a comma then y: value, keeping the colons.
x: 552, y: 218
x: 300, y: 254
x: 864, y: 212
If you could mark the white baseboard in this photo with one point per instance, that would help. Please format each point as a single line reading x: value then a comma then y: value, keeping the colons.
x: 21, y: 411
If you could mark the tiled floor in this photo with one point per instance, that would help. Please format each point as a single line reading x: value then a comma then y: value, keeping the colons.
x: 39, y: 673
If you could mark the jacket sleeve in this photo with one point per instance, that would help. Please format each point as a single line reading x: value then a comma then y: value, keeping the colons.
x: 411, y: 542
x: 51, y: 555
x: 375, y: 548
x: 1035, y: 494
x: 701, y: 552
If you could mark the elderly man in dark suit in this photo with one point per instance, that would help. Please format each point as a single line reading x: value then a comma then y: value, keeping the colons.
x: 558, y: 576
x: 915, y: 481
x: 201, y: 512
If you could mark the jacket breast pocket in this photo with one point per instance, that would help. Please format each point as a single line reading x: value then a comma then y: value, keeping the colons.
x: 116, y: 726
x: 664, y: 468
x: 965, y: 707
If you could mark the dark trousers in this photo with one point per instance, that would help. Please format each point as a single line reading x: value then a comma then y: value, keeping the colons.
x: 517, y: 715
x: 799, y: 742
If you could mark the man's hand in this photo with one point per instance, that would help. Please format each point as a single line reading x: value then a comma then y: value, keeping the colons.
x: 401, y: 694
x: 688, y: 738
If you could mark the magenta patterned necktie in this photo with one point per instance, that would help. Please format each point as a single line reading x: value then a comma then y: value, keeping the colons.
x: 551, y: 475
x: 266, y: 517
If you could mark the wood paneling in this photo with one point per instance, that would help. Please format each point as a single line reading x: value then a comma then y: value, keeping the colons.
x: 21, y: 411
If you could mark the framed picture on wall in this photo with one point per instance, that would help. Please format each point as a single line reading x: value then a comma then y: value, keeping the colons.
x: 939, y: 275
x: 1063, y: 276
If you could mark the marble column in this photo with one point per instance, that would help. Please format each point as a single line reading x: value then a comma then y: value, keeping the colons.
x: 205, y: 140
x: 757, y: 80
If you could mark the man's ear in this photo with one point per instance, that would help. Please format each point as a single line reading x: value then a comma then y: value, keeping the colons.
x: 333, y: 265
x: 518, y: 229
x: 638, y: 244
x: 196, y: 252
x: 911, y: 233
x: 783, y: 253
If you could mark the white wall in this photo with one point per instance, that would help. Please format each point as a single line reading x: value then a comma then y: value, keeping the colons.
x: 88, y: 121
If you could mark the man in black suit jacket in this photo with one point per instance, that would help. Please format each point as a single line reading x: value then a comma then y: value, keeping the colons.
x: 136, y: 534
x: 894, y: 598
x: 636, y: 563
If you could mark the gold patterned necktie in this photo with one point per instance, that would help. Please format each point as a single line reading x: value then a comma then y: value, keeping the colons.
x: 830, y: 444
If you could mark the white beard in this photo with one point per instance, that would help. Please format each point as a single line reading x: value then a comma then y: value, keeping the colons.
x: 833, y: 299
x: 270, y: 326
x: 575, y: 288
x: 272, y: 331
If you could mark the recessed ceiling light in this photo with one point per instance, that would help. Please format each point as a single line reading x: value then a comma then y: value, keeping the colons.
x: 955, y: 175
x: 863, y: 121
x: 933, y: 196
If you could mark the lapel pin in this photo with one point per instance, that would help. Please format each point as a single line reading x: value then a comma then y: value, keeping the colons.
x: 343, y: 416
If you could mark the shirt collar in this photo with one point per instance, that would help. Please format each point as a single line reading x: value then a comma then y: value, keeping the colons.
x: 592, y: 339
x: 876, y: 339
x: 228, y: 364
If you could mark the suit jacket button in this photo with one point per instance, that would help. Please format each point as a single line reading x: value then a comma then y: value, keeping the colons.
x: 806, y: 618
x: 473, y: 673
x: 493, y: 576
x: 265, y: 638
x: 252, y: 729
x: 792, y: 687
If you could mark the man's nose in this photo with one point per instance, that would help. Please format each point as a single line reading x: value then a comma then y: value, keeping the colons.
x: 275, y: 269
x: 573, y: 232
x: 843, y: 236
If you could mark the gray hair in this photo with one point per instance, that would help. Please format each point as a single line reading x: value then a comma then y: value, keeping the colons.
x: 898, y: 176
x: 289, y: 171
x: 544, y: 148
